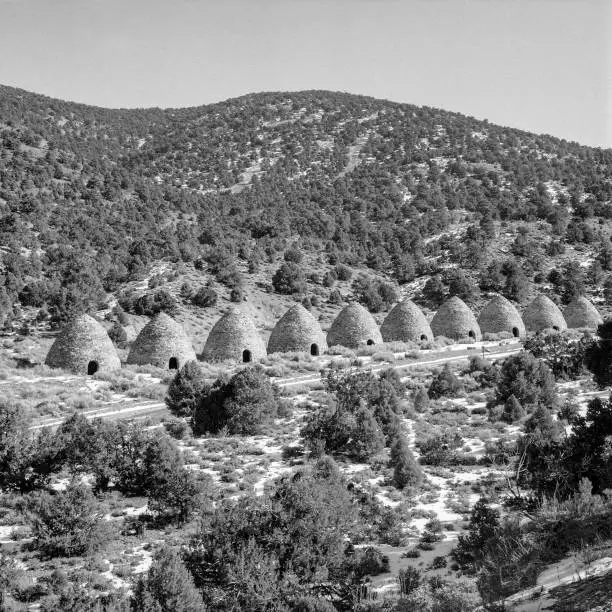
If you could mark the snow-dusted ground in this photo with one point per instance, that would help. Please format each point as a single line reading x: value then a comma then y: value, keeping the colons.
x: 118, y: 583
x: 147, y: 559
x: 6, y: 533
x: 264, y: 461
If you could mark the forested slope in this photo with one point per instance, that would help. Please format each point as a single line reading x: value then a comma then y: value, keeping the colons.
x: 91, y: 197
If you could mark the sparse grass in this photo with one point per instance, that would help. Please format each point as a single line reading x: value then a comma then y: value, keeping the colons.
x: 342, y: 351
x: 340, y: 363
x: 385, y: 356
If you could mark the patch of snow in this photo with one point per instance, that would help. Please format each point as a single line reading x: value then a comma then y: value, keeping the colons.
x: 118, y: 583
x: 145, y: 564
x: 353, y: 468
x: 6, y: 532
x: 61, y: 484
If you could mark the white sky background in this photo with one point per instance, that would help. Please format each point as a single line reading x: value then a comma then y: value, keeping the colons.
x: 539, y: 65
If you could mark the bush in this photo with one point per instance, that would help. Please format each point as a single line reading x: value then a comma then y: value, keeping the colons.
x: 367, y: 440
x: 179, y: 430
x: 406, y: 471
x: 513, y: 411
x: 445, y: 384
x: 471, y: 547
x: 74, y: 597
x: 528, y: 379
x: 186, y: 291
x: 542, y: 424
x: 289, y: 279
x: 67, y: 523
x: 313, y: 604
x: 598, y: 355
x: 442, y: 596
x: 335, y: 297
x: 27, y: 458
x: 329, y: 278
x: 150, y: 303
x: 334, y: 430
x: 137, y: 461
x: 362, y: 408
x: 434, y: 291
x: 409, y: 579
x: 568, y: 411
x: 204, y: 297
x: 174, y: 494
x: 432, y: 531
x: 293, y: 255
x: 118, y: 335
x: 374, y: 294
x: 237, y: 295
x: 258, y: 552
x: 460, y: 285
x: 420, y: 400
x: 184, y: 391
x: 439, y: 562
x: 344, y: 273
x: 160, y: 474
x: 564, y: 356
x: 167, y: 586
x: 89, y: 447
x: 371, y: 562
x: 476, y: 363
x: 440, y: 449
x: 243, y: 404
x: 9, y: 573
x: 389, y: 528
x: 229, y: 276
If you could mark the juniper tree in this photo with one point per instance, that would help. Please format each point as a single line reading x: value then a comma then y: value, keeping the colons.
x: 185, y: 390
x: 406, y: 471
x: 471, y: 547
x: 67, y: 523
x: 243, y: 404
x: 513, y: 411
x: 598, y: 356
x: 167, y: 586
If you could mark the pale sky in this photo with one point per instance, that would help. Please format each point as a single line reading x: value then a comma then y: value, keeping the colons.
x: 539, y: 65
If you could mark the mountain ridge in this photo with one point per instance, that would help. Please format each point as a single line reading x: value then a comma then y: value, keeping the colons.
x: 288, y: 93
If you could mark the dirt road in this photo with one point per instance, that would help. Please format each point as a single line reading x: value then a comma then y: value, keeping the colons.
x: 131, y: 408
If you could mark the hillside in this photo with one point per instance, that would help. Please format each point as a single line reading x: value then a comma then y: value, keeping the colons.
x: 91, y: 199
x: 434, y: 476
